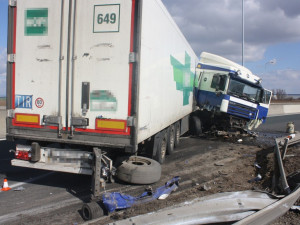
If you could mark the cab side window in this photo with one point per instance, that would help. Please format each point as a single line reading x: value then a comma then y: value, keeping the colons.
x: 218, y: 82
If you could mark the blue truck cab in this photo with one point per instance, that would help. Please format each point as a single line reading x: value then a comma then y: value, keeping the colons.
x: 228, y: 95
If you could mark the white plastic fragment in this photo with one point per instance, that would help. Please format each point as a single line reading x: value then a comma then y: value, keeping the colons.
x: 295, y: 208
x: 19, y: 189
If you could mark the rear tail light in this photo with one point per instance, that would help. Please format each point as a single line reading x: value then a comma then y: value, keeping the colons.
x: 23, y: 152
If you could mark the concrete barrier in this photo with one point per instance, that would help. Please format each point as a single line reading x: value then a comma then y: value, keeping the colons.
x: 283, y: 109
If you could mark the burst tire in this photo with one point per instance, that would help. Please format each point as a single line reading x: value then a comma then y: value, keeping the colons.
x: 139, y: 170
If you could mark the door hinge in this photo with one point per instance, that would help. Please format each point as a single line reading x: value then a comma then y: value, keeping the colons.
x: 132, y: 57
x: 12, y: 3
x: 131, y: 121
x: 11, y: 58
x: 10, y: 113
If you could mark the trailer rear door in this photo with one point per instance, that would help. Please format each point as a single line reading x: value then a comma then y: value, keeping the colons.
x: 101, y: 73
x: 72, y: 73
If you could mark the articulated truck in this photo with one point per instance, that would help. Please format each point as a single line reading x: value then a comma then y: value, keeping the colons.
x: 90, y: 81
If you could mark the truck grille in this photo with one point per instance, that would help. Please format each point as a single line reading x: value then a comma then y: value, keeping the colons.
x: 242, y: 110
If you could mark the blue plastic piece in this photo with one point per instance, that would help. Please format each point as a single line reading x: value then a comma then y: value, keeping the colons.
x: 117, y: 201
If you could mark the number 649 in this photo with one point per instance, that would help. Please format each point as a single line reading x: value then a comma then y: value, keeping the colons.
x: 107, y: 18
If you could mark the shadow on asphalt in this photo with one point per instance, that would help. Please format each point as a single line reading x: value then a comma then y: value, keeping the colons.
x: 77, y: 185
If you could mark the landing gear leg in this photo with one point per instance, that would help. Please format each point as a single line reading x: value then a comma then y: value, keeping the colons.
x: 92, y: 209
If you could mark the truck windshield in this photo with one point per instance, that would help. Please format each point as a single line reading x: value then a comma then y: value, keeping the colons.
x: 244, y: 91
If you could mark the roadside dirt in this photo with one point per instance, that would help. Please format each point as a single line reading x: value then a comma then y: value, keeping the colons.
x: 206, y: 165
x: 220, y: 168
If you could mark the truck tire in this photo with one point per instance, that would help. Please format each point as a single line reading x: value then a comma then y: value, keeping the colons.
x: 171, y: 140
x: 177, y: 134
x: 139, y: 170
x: 161, y: 151
x: 91, y: 210
x: 195, y: 125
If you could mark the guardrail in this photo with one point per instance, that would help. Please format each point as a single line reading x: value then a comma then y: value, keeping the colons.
x: 279, y: 183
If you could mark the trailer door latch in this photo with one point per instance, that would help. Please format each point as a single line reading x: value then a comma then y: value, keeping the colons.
x: 10, y: 113
x: 132, y: 57
x: 131, y: 121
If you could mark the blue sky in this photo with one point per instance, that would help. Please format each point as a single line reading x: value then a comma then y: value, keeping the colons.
x: 272, y: 34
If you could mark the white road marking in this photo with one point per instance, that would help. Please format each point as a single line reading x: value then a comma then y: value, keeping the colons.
x: 41, y: 209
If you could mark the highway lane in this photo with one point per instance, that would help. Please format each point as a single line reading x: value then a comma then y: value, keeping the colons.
x: 278, y: 123
x: 58, y: 190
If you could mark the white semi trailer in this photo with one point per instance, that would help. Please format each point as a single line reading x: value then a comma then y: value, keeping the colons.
x: 88, y: 77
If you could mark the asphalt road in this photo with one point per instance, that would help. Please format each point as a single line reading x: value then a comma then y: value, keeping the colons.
x: 279, y: 123
x: 43, y: 191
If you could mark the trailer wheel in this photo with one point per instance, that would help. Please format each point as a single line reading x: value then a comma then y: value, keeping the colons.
x: 160, y: 155
x: 139, y: 170
x: 195, y: 125
x: 171, y: 140
x: 177, y: 134
x: 91, y: 210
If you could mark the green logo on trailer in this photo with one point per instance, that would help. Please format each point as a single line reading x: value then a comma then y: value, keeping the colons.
x: 36, y: 22
x: 183, y: 76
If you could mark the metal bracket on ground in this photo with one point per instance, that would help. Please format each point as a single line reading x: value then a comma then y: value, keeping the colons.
x: 279, y: 177
x: 96, y: 181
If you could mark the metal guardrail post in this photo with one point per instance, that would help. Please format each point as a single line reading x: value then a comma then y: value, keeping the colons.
x: 284, y: 182
x: 286, y: 141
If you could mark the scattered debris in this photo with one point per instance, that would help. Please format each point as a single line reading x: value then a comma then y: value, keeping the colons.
x: 222, y: 173
x: 257, y: 166
x: 219, y: 164
x: 295, y: 208
x: 116, y: 201
x: 240, y: 140
x: 255, y: 179
x: 253, y: 134
x: 204, y: 188
x: 21, y: 188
